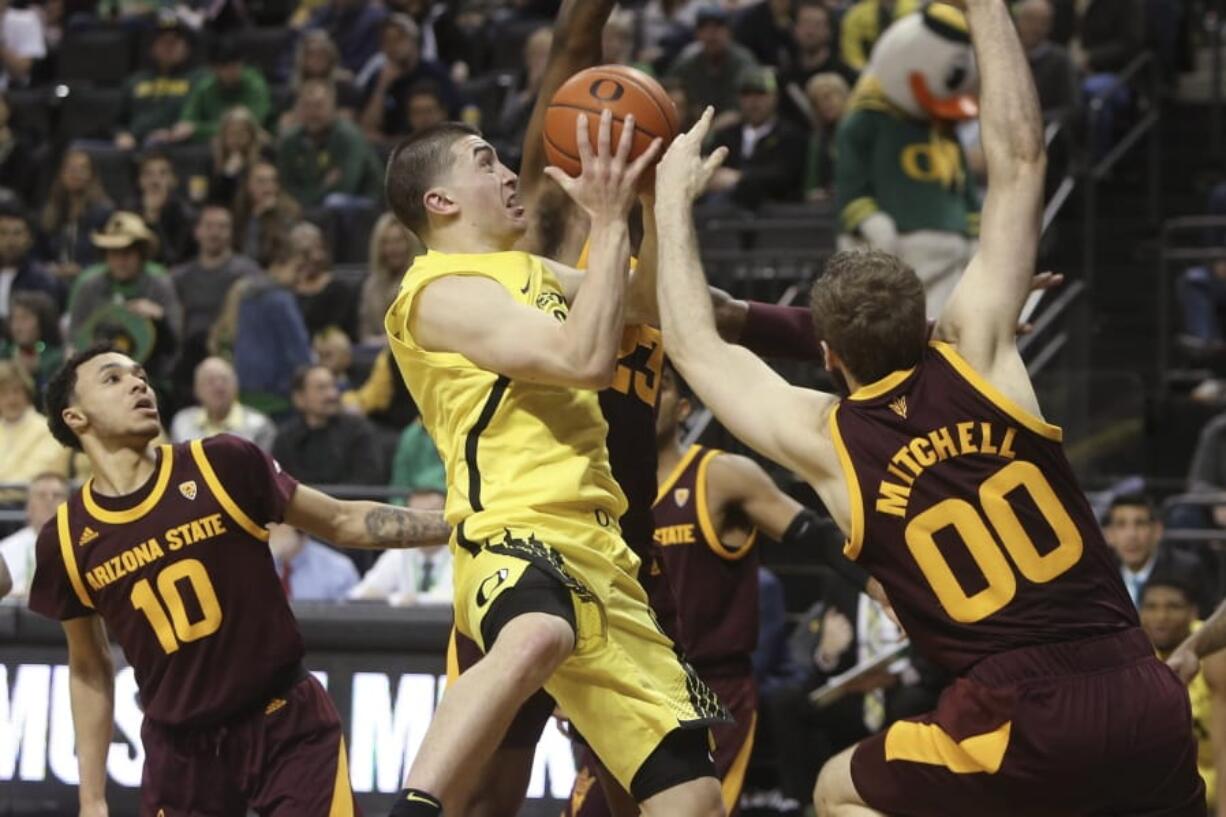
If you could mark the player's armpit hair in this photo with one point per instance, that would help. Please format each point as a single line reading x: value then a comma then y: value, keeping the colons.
x: 811, y: 532
x: 400, y: 527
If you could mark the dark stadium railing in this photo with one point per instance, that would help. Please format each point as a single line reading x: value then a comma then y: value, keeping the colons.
x: 1143, y: 79
x: 1208, y: 542
x: 1186, y: 241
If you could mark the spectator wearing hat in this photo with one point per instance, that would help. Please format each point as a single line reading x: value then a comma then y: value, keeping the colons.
x: 354, y: 27
x: 125, y: 298
x: 418, y: 576
x: 218, y: 410
x: 386, y: 79
x: 864, y: 23
x: 766, y: 154
x: 153, y: 99
x: 27, y: 448
x: 18, y: 271
x: 227, y: 83
x: 709, y: 68
x: 325, y: 160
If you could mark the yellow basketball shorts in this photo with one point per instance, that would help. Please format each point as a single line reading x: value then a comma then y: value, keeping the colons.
x: 624, y: 687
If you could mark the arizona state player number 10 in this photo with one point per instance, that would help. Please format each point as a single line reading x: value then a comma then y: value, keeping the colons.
x: 177, y: 627
x: 972, y: 528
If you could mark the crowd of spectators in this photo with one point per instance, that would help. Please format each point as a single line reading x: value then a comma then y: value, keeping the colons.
x: 214, y: 208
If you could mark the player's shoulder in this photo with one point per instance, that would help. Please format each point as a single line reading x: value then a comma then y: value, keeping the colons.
x: 222, y: 450
x: 737, y: 472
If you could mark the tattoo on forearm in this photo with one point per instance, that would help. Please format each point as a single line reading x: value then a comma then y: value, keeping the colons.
x: 399, y: 527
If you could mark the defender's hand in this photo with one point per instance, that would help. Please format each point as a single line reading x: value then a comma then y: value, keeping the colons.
x: 683, y: 173
x: 607, y: 186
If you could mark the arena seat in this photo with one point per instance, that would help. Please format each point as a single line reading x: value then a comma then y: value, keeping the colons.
x: 99, y: 56
x: 265, y: 48
x: 30, y: 111
x: 115, y: 168
x: 89, y: 113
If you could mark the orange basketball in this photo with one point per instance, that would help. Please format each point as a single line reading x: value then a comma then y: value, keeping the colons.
x: 620, y: 89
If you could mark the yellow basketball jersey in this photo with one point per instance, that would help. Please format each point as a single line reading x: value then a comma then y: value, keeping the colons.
x: 513, y: 450
x: 1202, y: 708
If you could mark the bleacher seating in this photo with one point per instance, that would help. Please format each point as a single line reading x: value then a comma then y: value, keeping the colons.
x: 89, y: 113
x: 99, y: 56
x: 265, y: 48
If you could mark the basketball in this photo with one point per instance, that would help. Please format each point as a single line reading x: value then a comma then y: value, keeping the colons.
x: 617, y: 88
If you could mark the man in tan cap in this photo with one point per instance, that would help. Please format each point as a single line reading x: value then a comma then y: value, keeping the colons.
x: 127, y: 279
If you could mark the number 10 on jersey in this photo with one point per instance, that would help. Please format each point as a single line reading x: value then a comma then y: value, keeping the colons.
x: 165, y: 610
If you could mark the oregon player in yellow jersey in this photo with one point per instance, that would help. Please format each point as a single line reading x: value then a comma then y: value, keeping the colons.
x: 1168, y: 616
x: 501, y: 349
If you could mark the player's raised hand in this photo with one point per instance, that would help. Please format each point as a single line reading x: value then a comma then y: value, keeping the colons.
x: 607, y: 186
x: 683, y: 173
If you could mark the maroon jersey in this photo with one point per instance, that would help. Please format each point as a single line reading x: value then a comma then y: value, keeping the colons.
x: 629, y: 407
x: 965, y: 508
x: 181, y: 574
x: 714, y: 589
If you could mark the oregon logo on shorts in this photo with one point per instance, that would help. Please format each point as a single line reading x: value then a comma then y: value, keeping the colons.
x: 486, y: 588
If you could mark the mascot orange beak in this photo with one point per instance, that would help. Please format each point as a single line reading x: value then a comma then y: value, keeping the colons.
x: 951, y: 108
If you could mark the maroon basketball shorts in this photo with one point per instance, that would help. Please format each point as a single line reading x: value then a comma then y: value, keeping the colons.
x: 286, y: 758
x: 1086, y: 728
x: 530, y: 722
x: 733, y: 746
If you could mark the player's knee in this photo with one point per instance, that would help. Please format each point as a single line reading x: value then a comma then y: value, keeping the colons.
x: 833, y: 786
x: 537, y: 644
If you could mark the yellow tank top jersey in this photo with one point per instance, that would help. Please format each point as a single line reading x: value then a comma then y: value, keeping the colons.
x: 1202, y: 709
x: 514, y: 451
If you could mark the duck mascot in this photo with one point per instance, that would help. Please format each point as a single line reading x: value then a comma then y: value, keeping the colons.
x: 901, y: 178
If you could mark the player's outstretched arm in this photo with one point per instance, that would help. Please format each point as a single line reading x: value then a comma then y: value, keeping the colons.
x: 369, y: 525
x: 91, y: 694
x: 982, y: 315
x: 476, y: 317
x: 757, y: 405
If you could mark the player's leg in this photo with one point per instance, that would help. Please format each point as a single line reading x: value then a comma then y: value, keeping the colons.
x: 526, y: 620
x: 500, y: 787
x: 289, y: 757
x: 596, y: 793
x: 649, y: 715
x: 182, y: 778
x: 835, y: 794
x: 477, y: 710
x: 734, y: 741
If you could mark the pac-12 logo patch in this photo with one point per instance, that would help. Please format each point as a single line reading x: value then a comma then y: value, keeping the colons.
x: 491, y: 583
x: 188, y: 489
x: 681, y: 496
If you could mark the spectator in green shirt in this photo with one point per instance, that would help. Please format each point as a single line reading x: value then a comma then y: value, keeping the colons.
x: 325, y: 160
x: 227, y: 84
x: 153, y: 99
